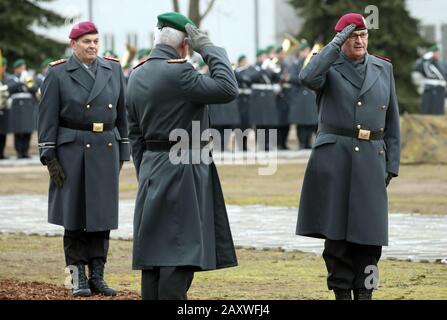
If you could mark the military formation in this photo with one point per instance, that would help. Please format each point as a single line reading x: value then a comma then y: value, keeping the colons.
x: 94, y: 112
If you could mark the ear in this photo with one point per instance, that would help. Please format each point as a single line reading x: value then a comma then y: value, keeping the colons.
x: 72, y: 43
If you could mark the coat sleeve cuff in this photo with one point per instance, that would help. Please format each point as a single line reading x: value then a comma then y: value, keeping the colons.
x: 124, y: 150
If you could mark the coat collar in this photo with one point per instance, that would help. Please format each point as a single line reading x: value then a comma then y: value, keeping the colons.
x: 165, y: 52
x: 346, y: 68
x: 103, y: 74
x: 373, y: 70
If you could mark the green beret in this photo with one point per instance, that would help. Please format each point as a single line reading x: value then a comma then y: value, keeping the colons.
x: 260, y: 52
x: 143, y: 52
x: 173, y: 20
x: 4, y: 61
x: 434, y: 48
x: 46, y: 63
x: 304, y: 45
x: 110, y: 53
x: 201, y: 63
x: 278, y: 49
x: 18, y: 63
x: 269, y: 48
x: 241, y: 57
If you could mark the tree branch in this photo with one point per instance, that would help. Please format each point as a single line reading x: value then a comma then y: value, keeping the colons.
x: 208, y: 9
x: 176, y: 5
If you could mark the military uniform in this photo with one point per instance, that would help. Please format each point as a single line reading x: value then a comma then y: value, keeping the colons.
x: 82, y: 124
x: 433, y: 97
x: 357, y: 149
x: 302, y: 106
x: 22, y: 113
x: 224, y: 116
x: 180, y: 216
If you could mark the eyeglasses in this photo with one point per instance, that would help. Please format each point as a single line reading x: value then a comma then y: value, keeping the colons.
x: 354, y: 36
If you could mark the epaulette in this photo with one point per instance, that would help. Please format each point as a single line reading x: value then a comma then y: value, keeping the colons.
x: 112, y: 59
x: 383, y: 58
x: 55, y: 63
x: 140, y: 64
x: 176, y: 61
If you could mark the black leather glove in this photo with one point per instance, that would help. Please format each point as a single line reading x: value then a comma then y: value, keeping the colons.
x: 388, y: 179
x: 56, y: 172
x: 197, y: 39
x: 343, y: 35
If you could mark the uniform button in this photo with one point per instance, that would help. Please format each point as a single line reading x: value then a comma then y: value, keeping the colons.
x: 381, y: 129
x: 88, y: 145
x: 381, y: 152
x: 359, y: 104
x: 357, y: 149
x: 110, y: 106
x: 87, y: 106
x: 383, y: 107
x: 109, y: 144
x: 359, y: 126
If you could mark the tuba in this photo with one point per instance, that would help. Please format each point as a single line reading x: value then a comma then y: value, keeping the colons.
x: 290, y: 43
x: 315, y: 49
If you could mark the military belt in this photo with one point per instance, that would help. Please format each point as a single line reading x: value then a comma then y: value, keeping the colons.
x: 94, y: 127
x: 245, y: 91
x: 361, y: 134
x: 435, y: 82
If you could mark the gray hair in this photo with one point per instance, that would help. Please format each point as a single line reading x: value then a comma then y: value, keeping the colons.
x: 169, y: 36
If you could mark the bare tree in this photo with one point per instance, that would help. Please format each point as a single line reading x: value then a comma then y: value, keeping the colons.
x: 194, y: 10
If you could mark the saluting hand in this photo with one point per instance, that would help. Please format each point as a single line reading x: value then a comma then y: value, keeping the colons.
x: 197, y: 39
x: 343, y: 35
x: 56, y: 172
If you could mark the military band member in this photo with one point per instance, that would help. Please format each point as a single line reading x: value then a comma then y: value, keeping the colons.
x: 434, y: 82
x: 181, y: 224
x: 354, y: 157
x: 302, y: 101
x: 22, y: 88
x: 83, y: 142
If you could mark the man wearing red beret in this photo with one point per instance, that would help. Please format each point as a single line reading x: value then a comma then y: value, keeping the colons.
x: 355, y: 155
x: 83, y: 142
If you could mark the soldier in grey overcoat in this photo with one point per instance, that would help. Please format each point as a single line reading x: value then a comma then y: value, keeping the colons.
x: 180, y: 224
x: 4, y: 111
x: 354, y: 157
x: 83, y: 141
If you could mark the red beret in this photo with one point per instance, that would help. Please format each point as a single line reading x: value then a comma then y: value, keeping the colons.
x: 350, y: 18
x: 81, y: 28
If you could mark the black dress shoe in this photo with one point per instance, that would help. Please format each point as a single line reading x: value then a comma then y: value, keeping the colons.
x: 81, y: 288
x: 96, y: 278
x: 342, y: 294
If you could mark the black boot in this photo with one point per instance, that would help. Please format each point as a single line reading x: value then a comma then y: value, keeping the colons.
x: 342, y: 294
x: 362, y: 294
x: 96, y: 281
x: 81, y: 289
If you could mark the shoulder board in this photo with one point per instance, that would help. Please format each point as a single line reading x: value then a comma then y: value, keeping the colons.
x: 112, y: 59
x: 55, y: 63
x: 383, y: 58
x: 140, y: 64
x: 176, y: 61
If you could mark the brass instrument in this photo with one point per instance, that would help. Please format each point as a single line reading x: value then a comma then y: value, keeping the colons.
x: 27, y: 79
x: 4, y: 94
x: 290, y: 43
x: 315, y: 49
x: 128, y: 55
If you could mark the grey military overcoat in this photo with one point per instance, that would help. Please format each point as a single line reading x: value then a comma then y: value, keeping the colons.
x: 344, y: 195
x: 180, y: 215
x: 90, y: 160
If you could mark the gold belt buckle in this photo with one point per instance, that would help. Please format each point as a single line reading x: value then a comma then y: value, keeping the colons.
x: 364, y: 134
x: 98, y: 127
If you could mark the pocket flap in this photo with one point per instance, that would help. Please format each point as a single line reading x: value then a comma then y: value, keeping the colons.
x: 323, y: 139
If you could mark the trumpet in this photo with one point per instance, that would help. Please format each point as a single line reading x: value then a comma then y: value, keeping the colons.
x: 128, y: 56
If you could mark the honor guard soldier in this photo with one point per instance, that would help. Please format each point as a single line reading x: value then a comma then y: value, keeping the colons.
x: 4, y: 111
x: 303, y: 107
x: 354, y: 157
x: 434, y: 82
x: 181, y: 224
x: 22, y: 89
x: 83, y: 142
